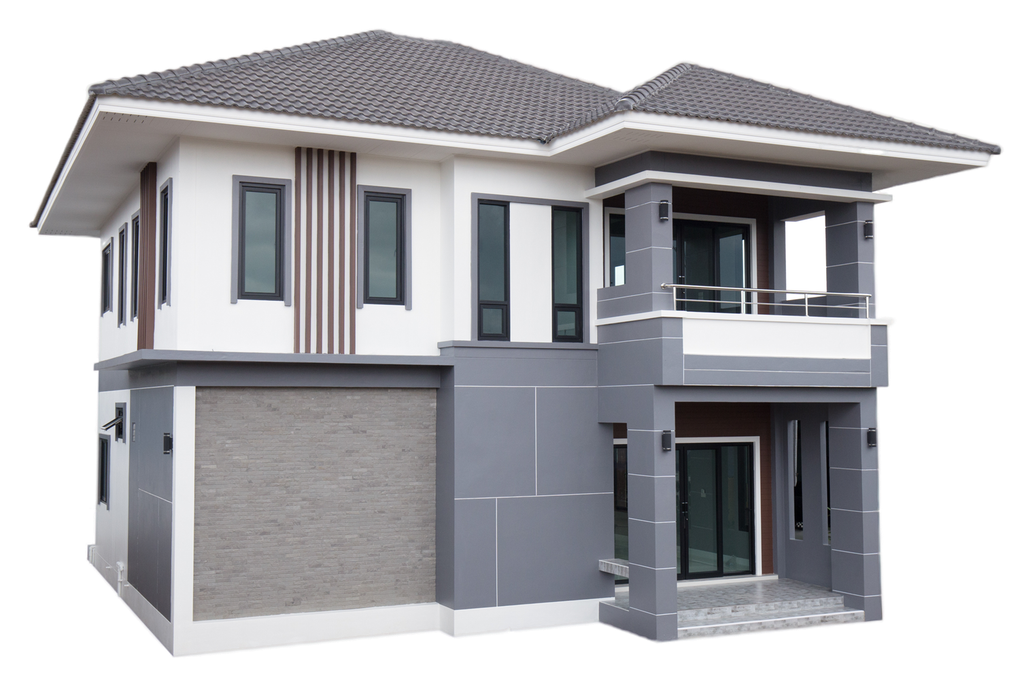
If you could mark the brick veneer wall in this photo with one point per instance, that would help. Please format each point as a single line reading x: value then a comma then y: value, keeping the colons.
x: 310, y: 499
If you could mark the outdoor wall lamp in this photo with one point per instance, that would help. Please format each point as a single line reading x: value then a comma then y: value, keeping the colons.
x: 664, y: 210
x: 667, y: 441
x: 869, y: 229
x: 872, y: 437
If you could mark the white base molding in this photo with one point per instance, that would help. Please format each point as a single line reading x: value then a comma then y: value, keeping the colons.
x: 526, y: 616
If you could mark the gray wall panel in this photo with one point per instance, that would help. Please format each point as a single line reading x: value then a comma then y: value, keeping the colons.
x: 855, y: 531
x: 549, y: 548
x: 653, y: 544
x: 845, y: 446
x: 638, y: 362
x: 854, y: 489
x: 572, y: 445
x: 776, y: 364
x: 475, y: 554
x: 879, y: 366
x: 496, y: 458
x: 445, y: 438
x: 526, y: 367
x: 776, y: 379
x: 879, y: 334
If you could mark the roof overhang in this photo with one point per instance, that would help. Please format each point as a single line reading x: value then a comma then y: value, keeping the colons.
x: 119, y: 135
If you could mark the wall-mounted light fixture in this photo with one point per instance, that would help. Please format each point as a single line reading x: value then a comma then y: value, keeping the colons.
x: 667, y: 441
x: 872, y: 437
x: 869, y: 229
x: 664, y: 210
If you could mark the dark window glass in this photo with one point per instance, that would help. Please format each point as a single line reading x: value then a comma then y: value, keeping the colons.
x: 164, y: 246
x: 566, y: 260
x: 493, y: 271
x: 106, y: 293
x: 620, y: 529
x: 711, y: 254
x: 384, y: 249
x: 135, y: 227
x: 122, y: 276
x: 617, y: 250
x: 261, y: 242
x: 798, y: 483
x: 104, y: 471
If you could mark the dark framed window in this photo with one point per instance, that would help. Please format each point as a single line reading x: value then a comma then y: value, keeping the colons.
x: 135, y: 234
x: 103, y: 497
x: 122, y: 276
x: 261, y: 251
x: 106, y: 290
x: 384, y: 252
x: 493, y: 271
x: 566, y: 275
x: 260, y: 242
x: 164, y: 244
x: 616, y: 252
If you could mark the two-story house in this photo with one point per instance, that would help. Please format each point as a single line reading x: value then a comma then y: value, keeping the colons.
x: 400, y: 335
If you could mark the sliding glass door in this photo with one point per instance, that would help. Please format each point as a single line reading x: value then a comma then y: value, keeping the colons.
x: 707, y: 253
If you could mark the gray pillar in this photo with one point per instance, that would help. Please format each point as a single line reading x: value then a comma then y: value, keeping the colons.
x: 849, y: 258
x: 649, y: 247
x: 651, y: 512
x: 853, y: 487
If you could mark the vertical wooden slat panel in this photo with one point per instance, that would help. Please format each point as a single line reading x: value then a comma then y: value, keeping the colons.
x: 340, y: 277
x: 330, y: 316
x: 308, y: 251
x: 296, y: 300
x: 318, y: 251
x: 353, y: 279
x: 147, y: 253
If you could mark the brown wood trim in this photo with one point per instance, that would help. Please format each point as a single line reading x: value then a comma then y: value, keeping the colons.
x: 330, y: 258
x: 343, y: 250
x: 308, y: 250
x: 296, y: 300
x: 147, y: 253
x: 318, y: 253
x: 353, y: 280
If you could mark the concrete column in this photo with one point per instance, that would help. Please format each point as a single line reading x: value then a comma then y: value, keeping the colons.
x: 651, y: 512
x: 853, y: 488
x: 649, y: 247
x: 849, y: 258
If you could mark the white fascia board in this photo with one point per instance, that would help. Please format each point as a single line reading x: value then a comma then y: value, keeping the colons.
x: 258, y: 119
x: 82, y: 135
x: 748, y: 133
x: 734, y: 185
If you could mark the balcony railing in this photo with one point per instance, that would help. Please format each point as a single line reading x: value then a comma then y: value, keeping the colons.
x: 738, y: 300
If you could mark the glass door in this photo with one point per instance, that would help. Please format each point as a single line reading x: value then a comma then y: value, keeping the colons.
x: 715, y: 510
x: 706, y: 253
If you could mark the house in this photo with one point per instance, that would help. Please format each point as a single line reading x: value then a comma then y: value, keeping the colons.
x: 399, y: 335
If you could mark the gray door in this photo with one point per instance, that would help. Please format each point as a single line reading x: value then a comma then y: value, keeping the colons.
x: 150, y: 499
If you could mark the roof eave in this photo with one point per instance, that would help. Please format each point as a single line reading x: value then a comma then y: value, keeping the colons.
x: 71, y: 142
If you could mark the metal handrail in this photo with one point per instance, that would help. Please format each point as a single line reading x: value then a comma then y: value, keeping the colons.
x: 863, y: 304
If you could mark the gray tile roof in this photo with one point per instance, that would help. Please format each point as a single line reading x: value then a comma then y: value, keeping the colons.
x: 379, y: 77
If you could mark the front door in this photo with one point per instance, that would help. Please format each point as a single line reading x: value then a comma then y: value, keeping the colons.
x: 715, y: 510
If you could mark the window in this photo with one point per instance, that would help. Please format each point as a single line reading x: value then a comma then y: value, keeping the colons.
x: 135, y: 234
x: 616, y: 248
x: 106, y: 293
x: 261, y: 241
x: 122, y: 276
x: 384, y: 248
x: 796, y: 476
x: 493, y: 271
x: 164, y: 245
x: 566, y: 264
x: 104, y: 471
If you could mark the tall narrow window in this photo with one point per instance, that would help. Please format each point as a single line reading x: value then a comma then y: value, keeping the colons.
x: 384, y: 248
x: 828, y: 494
x: 104, y: 471
x: 260, y: 242
x: 106, y: 289
x: 135, y: 234
x: 493, y: 271
x: 566, y: 263
x: 122, y: 276
x: 617, y: 253
x: 164, y: 245
x: 797, y: 492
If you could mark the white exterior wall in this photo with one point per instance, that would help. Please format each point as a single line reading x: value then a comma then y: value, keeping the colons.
x: 530, y: 273
x: 116, y: 340
x: 202, y: 251
x: 516, y: 179
x: 165, y: 317
x: 393, y: 329
x: 112, y: 523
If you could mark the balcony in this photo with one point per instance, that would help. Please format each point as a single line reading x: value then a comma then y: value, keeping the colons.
x: 736, y: 336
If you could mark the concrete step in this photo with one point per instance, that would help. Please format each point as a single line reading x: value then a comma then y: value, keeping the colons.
x: 774, y: 619
x: 823, y: 602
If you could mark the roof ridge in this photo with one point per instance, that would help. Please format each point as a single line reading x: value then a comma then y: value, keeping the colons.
x: 649, y: 89
x: 111, y: 85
